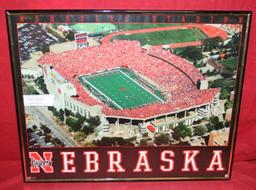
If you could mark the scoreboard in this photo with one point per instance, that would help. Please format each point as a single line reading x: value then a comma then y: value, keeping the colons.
x: 81, y: 40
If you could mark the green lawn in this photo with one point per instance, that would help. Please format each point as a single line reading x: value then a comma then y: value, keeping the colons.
x: 117, y: 89
x: 230, y: 64
x: 161, y: 37
x: 93, y: 27
x: 199, y: 33
x: 140, y: 26
x: 223, y: 83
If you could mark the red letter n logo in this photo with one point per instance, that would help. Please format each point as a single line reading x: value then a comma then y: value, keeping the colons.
x: 38, y: 162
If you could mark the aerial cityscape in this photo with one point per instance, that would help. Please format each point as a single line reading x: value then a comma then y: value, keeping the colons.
x: 129, y: 84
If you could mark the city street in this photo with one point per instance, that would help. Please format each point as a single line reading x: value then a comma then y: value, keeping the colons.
x: 40, y: 115
x: 38, y: 139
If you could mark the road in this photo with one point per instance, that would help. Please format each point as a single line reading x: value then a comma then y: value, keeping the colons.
x: 40, y: 114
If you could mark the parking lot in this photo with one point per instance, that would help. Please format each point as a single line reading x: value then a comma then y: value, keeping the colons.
x: 33, y: 38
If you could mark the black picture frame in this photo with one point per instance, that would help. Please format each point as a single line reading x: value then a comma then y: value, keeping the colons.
x: 51, y: 154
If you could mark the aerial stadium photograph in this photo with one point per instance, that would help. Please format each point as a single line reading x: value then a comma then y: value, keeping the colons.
x: 128, y: 84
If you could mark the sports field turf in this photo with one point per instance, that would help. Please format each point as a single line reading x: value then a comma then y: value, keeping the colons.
x: 119, y: 89
x: 199, y: 33
x: 161, y: 37
x: 93, y: 27
x: 139, y: 26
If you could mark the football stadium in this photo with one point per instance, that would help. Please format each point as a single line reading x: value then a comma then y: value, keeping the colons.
x: 123, y: 82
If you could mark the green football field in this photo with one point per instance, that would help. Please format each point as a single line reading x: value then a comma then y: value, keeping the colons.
x: 119, y: 89
x: 93, y: 27
x: 164, y: 37
x: 139, y: 26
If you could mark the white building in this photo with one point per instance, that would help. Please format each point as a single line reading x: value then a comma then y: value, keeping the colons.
x: 64, y: 94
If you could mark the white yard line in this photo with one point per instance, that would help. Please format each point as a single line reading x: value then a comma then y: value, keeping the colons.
x: 141, y: 86
x: 99, y: 73
x: 102, y: 93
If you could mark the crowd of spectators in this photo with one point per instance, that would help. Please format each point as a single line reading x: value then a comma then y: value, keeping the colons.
x: 180, y: 91
x: 232, y: 27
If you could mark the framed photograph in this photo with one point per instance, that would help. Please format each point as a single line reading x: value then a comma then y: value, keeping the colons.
x: 127, y: 95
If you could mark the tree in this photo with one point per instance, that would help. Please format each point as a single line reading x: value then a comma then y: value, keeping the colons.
x: 73, y: 123
x: 214, y: 124
x: 210, y: 127
x: 34, y: 127
x: 70, y: 35
x: 78, y: 115
x: 28, y: 90
x: 162, y: 139
x: 233, y: 45
x: 212, y: 43
x: 220, y: 125
x: 88, y: 144
x: 94, y: 121
x: 224, y: 93
x: 79, y: 136
x: 191, y: 53
x: 68, y: 112
x: 61, y: 115
x: 226, y: 74
x: 228, y: 104
x: 40, y: 83
x: 213, y: 120
x: 182, y: 131
x: 45, y: 129
x: 54, y: 111
x: 81, y: 120
x: 50, y: 108
x: 200, y: 130
x: 55, y: 33
x: 223, y: 84
x: 58, y: 142
x: 87, y: 129
x: 39, y: 80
